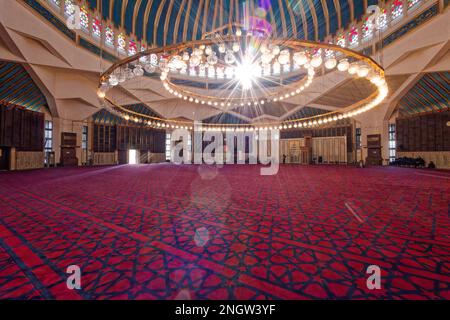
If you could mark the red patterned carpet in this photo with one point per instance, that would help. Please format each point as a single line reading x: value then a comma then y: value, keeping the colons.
x: 180, y: 232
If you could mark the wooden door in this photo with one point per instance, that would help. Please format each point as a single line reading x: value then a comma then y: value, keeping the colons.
x: 123, y: 156
x: 4, y: 158
x: 374, y: 157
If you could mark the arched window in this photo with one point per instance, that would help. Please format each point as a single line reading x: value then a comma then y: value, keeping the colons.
x: 340, y: 40
x: 56, y: 2
x: 121, y: 43
x: 329, y: 53
x: 412, y: 3
x: 353, y: 37
x: 396, y: 9
x: 367, y: 30
x: 132, y: 48
x: 382, y: 20
x: 70, y: 7
x: 84, y: 18
x: 109, y: 36
x: 97, y: 27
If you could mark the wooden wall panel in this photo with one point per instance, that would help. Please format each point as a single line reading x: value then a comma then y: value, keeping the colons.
x: 424, y: 133
x: 330, y: 149
x: 26, y: 160
x: 322, y: 132
x: 105, y: 138
x: 21, y: 129
x: 112, y: 138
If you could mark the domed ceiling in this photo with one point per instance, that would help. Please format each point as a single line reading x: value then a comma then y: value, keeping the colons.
x: 164, y: 22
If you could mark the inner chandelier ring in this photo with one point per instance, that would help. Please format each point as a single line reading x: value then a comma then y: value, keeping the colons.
x: 244, y: 70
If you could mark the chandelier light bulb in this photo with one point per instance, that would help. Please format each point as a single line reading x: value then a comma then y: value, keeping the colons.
x: 382, y: 83
x: 198, y: 51
x: 284, y: 57
x: 208, y: 50
x: 373, y: 78
x: 363, y: 71
x: 186, y: 56
x: 194, y: 61
x: 238, y: 32
x: 244, y: 74
x: 263, y: 48
x: 149, y: 68
x: 212, y: 59
x: 236, y: 47
x: 330, y: 63
x: 276, y: 67
x: 177, y: 62
x: 113, y: 80
x: 138, y: 71
x: 229, y: 72
x: 274, y: 49
x: 316, y: 61
x: 230, y: 58
x: 343, y: 65
x: 212, y: 71
x: 266, y: 58
x: 101, y: 94
x: 300, y: 58
x: 222, y: 48
x: 353, y: 69
x: 220, y: 72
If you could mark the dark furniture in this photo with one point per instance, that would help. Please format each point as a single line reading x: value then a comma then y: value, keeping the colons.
x: 374, y: 157
x: 69, y: 149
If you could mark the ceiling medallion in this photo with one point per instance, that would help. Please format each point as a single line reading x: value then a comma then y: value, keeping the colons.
x: 245, y: 68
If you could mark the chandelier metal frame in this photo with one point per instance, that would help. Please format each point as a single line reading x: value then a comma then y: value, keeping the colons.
x: 360, y: 66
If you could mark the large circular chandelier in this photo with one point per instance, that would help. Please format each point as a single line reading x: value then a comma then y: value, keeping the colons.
x: 245, y: 68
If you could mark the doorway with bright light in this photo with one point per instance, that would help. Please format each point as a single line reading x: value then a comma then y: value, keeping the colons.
x: 132, y: 156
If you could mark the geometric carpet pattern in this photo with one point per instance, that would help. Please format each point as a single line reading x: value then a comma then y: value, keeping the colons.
x: 166, y: 231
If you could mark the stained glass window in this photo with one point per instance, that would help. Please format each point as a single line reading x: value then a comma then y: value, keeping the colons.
x: 412, y: 3
x: 317, y: 52
x: 367, y: 29
x: 132, y: 48
x: 382, y: 20
x: 84, y: 18
x: 353, y: 37
x: 329, y: 53
x: 340, y: 40
x: 397, y: 9
x: 70, y: 7
x: 56, y: 2
x: 109, y: 36
x: 97, y: 27
x: 121, y: 43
